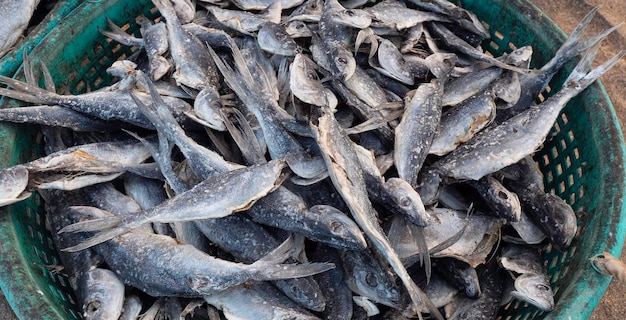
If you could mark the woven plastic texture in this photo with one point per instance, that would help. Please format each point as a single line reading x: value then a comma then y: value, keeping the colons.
x: 582, y: 160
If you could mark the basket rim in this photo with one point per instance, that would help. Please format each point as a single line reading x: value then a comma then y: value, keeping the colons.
x: 11, y: 254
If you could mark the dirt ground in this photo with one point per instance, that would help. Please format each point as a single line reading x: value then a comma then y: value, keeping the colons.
x: 566, y: 14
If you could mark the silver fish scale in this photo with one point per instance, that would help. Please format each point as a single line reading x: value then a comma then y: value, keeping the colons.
x: 352, y: 106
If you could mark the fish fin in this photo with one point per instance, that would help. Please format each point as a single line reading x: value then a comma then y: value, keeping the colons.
x: 279, y: 254
x: 289, y: 271
x: 48, y: 82
x: 28, y: 70
x: 420, y: 239
x: 270, y: 267
x: 109, y: 221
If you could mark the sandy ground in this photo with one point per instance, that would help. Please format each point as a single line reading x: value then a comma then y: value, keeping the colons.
x: 566, y: 14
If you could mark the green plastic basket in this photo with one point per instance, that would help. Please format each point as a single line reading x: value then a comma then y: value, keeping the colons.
x: 582, y: 160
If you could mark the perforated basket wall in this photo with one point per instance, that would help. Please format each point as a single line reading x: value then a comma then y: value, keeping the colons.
x: 582, y: 160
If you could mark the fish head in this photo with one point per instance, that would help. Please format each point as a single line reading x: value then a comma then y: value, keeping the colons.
x: 207, y: 107
x: 520, y: 56
x: 298, y: 29
x: 307, y: 293
x: 370, y: 279
x: 343, y: 64
x: 534, y: 289
x: 354, y: 18
x: 103, y: 295
x: 122, y: 68
x: 274, y: 39
x: 337, y: 229
x: 562, y: 225
x: 404, y: 200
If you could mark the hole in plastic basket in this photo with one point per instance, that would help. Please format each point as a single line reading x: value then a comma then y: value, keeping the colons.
x: 554, y: 152
x: 512, y: 46
x: 494, y: 45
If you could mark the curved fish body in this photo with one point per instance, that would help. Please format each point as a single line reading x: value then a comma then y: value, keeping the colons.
x: 458, y: 15
x: 499, y: 146
x: 347, y: 176
x: 393, y: 64
x: 261, y: 102
x: 249, y: 242
x: 106, y: 105
x: 551, y: 214
x: 256, y: 301
x: 162, y: 266
x: 417, y: 129
x: 366, y: 89
x: 533, y: 84
x: 209, y: 199
x: 285, y: 210
x: 156, y: 45
x: 243, y: 21
x: 263, y: 4
x: 194, y: 65
x: 56, y: 116
x: 469, y: 85
x: 461, y: 122
x: 395, y: 14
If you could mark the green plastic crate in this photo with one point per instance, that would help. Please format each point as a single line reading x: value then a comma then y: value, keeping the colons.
x: 583, y: 160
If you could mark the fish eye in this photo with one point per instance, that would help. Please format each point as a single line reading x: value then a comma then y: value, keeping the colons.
x: 370, y: 279
x: 311, y: 76
x: 405, y: 202
x: 502, y: 195
x: 93, y: 307
x: 299, y: 25
x: 350, y: 13
x: 216, y: 104
x: 542, y: 287
x: 342, y: 60
x: 336, y: 227
x: 281, y: 36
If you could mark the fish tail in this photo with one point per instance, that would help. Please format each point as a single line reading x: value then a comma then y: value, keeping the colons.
x: 119, y: 35
x: 575, y: 45
x: 581, y: 78
x: 26, y: 92
x: 99, y: 238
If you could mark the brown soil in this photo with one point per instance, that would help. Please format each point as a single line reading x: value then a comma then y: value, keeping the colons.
x: 566, y: 14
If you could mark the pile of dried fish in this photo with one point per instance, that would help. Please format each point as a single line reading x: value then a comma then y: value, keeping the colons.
x: 291, y: 159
